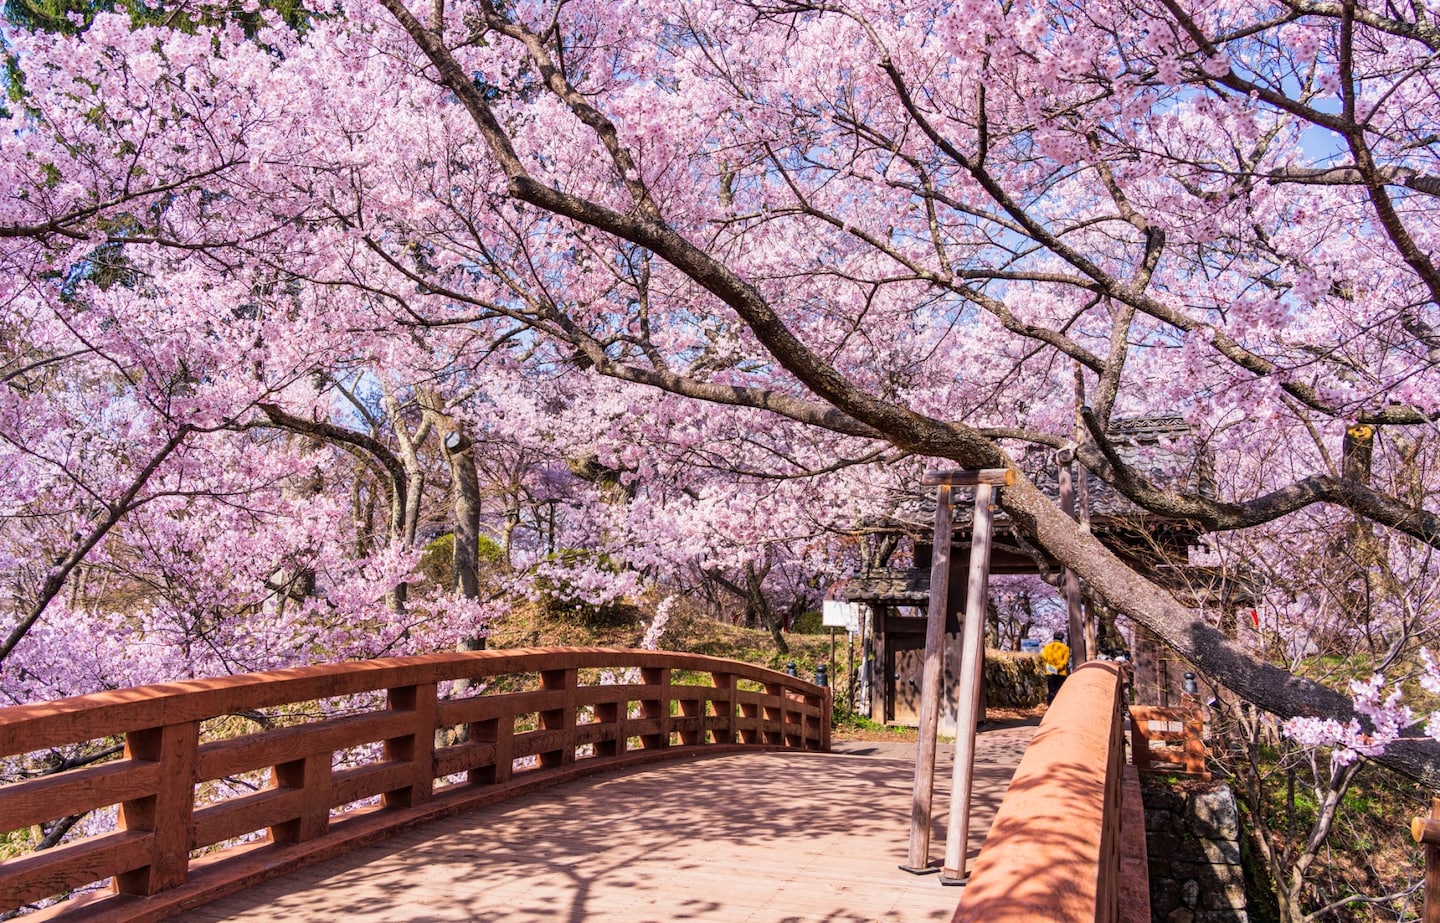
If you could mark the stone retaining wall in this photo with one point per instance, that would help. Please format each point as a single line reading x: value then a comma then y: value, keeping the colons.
x: 1013, y: 680
x: 1193, y: 836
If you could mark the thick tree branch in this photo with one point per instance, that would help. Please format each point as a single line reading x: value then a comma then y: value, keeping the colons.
x: 115, y: 511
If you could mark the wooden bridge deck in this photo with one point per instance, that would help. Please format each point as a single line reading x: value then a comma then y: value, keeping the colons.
x: 769, y: 838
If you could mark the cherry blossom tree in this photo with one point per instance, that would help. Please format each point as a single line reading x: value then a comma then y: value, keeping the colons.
x: 869, y: 230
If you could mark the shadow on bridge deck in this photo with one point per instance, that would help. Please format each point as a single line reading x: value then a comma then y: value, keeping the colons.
x: 770, y: 838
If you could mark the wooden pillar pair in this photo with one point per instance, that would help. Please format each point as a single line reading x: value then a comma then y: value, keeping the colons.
x: 972, y: 661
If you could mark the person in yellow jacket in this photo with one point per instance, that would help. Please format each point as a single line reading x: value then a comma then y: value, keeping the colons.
x: 1056, y: 657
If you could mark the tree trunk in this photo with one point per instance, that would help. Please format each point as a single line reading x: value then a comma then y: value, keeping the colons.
x: 755, y: 595
x: 1186, y: 632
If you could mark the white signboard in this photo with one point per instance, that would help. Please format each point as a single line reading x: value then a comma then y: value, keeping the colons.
x: 837, y: 614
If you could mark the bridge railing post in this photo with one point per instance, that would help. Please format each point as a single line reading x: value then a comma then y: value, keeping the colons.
x: 416, y: 748
x: 826, y: 703
x: 722, y: 705
x: 776, y: 715
x: 501, y: 733
x: 657, y: 707
x: 560, y: 719
x: 614, y: 715
x: 312, y: 775
x: 166, y: 813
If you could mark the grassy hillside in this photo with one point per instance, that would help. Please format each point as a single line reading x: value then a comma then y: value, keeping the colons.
x: 686, y: 631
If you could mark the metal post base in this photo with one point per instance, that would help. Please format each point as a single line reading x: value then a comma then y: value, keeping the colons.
x: 951, y: 882
x: 921, y: 870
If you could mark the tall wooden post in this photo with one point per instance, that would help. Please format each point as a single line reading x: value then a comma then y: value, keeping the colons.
x: 922, y: 796
x: 972, y: 669
x: 984, y: 480
x: 1427, y: 830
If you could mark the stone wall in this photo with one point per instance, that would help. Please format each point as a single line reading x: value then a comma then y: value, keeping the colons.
x: 1013, y: 680
x: 1193, y: 835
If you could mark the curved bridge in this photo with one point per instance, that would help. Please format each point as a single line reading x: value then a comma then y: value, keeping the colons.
x: 209, y: 764
x: 218, y: 785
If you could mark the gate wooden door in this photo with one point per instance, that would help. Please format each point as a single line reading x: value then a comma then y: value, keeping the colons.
x: 907, y: 669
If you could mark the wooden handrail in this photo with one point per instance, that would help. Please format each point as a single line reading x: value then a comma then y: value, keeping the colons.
x: 1054, y: 850
x: 421, y: 753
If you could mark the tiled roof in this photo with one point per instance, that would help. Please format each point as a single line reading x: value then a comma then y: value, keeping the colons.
x: 886, y: 584
x: 1158, y: 447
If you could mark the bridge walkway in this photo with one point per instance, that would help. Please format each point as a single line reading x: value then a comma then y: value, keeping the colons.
x: 763, y: 837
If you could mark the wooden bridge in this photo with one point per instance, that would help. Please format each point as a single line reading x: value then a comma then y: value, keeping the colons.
x: 548, y: 783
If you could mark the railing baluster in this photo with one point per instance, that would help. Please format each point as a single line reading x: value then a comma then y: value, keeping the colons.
x: 657, y: 708
x: 562, y: 718
x: 167, y: 812
x: 612, y: 714
x: 312, y: 775
x: 416, y: 748
x: 774, y: 714
x: 500, y: 732
x: 692, y: 708
x: 722, y: 705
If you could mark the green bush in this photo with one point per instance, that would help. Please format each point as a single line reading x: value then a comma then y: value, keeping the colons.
x: 437, y: 558
x: 808, y: 623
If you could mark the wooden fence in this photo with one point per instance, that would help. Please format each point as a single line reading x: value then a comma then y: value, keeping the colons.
x: 208, y: 763
x: 1169, y: 739
x: 1068, y: 842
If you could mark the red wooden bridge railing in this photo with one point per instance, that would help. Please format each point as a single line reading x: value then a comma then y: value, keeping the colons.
x: 208, y: 763
x: 1068, y: 842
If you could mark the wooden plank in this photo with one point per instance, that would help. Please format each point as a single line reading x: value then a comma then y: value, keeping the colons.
x: 283, y: 745
x: 992, y: 477
x: 464, y: 757
x: 485, y: 707
x: 593, y: 734
x: 610, y: 694
x: 36, y: 801
x: 351, y: 785
x: 239, y: 816
x: 55, y: 871
x: 534, y: 743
